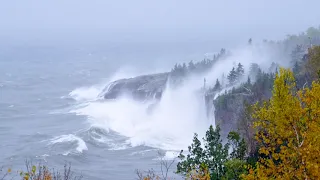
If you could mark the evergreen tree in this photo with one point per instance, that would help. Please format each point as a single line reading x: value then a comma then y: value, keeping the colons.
x: 296, y: 68
x: 184, y: 66
x: 223, y: 78
x: 297, y: 54
x: 214, y: 57
x: 216, y: 153
x: 240, y: 71
x: 184, y: 69
x: 234, y: 169
x: 249, y: 81
x: 232, y: 77
x: 254, y: 69
x: 191, y: 66
x: 175, y: 68
x: 213, y: 156
x: 238, y: 146
x: 217, y: 86
x: 273, y: 67
x: 313, y: 62
x: 195, y: 157
x: 222, y: 52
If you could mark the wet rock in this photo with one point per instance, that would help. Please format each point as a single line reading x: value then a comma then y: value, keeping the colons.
x: 140, y: 88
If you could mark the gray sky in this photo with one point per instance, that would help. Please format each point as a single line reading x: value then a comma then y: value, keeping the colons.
x: 151, y: 20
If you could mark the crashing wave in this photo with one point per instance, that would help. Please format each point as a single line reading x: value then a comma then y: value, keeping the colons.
x: 70, y: 139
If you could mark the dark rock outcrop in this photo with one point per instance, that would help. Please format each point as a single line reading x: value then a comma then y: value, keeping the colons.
x: 140, y: 87
x: 228, y: 111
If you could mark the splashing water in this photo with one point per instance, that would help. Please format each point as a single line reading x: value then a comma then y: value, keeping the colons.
x: 178, y: 115
x: 70, y: 138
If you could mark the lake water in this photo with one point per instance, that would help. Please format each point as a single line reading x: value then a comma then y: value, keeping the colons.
x: 49, y: 110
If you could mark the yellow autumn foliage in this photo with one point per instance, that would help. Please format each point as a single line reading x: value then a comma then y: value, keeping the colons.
x: 288, y: 131
x: 198, y: 174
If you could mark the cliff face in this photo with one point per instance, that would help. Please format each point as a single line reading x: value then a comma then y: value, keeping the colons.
x: 228, y: 111
x: 140, y: 88
x: 230, y: 106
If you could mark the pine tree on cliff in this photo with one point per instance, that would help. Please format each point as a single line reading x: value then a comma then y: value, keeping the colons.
x: 184, y: 66
x: 273, y: 67
x: 254, y: 71
x: 223, y: 79
x: 296, y: 68
x: 249, y: 80
x: 217, y: 86
x: 297, y: 54
x: 184, y: 69
x: 175, y: 67
x: 191, y: 66
x: 250, y: 41
x: 222, y: 52
x: 232, y: 77
x: 240, y: 71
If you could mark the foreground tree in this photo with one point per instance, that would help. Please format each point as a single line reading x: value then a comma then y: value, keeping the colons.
x: 288, y: 127
x: 238, y: 145
x: 213, y: 156
x: 246, y: 129
x: 234, y: 169
x: 39, y: 172
x: 213, y: 160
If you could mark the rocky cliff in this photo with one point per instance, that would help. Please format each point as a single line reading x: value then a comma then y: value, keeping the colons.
x: 228, y: 111
x: 227, y: 108
x: 140, y: 88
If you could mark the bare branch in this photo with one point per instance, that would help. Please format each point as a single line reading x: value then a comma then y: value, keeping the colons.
x: 5, y: 174
x: 139, y: 174
x: 304, y: 85
x: 297, y: 136
x: 165, y: 165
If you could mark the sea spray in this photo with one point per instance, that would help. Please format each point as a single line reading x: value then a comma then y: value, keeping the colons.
x: 180, y: 112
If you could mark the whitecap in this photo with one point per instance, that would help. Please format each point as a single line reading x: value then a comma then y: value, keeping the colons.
x: 81, y: 145
x: 117, y: 146
x: 85, y: 93
x: 142, y: 152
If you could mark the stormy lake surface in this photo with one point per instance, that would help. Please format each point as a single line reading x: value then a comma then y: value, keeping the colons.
x: 50, y: 110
